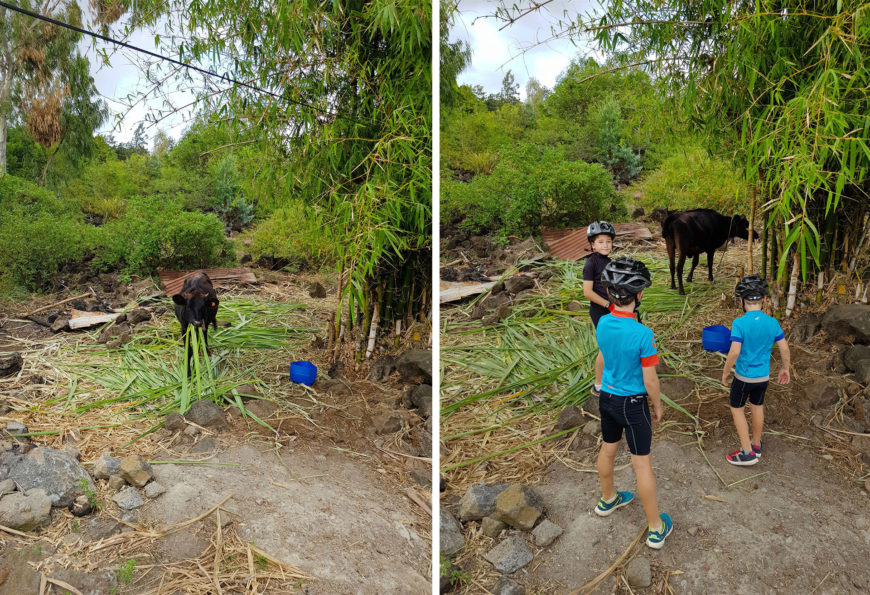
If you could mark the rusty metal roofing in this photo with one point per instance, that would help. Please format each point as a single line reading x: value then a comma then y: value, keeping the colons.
x: 571, y: 243
x: 172, y: 281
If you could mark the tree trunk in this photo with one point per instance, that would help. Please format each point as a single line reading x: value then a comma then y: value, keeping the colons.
x: 792, y: 286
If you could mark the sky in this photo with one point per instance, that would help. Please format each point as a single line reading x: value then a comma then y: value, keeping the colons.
x: 495, y: 52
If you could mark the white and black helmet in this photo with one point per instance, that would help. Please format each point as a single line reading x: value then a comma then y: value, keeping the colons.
x: 625, y: 277
x: 597, y: 228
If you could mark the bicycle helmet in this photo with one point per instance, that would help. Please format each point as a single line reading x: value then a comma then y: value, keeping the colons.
x: 751, y: 288
x: 625, y: 277
x: 596, y: 228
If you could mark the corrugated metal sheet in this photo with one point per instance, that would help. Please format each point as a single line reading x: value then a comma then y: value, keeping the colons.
x: 172, y: 281
x: 571, y: 243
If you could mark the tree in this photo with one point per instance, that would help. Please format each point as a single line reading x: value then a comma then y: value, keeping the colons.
x: 454, y: 58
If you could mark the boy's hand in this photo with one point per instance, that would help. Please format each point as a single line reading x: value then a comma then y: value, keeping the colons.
x: 657, y: 411
x: 725, y: 374
x: 784, y: 376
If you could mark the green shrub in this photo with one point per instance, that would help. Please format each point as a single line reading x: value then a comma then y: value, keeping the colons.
x: 298, y: 234
x: 531, y: 186
x: 40, y: 234
x: 690, y: 179
x: 229, y: 198
x: 156, y: 232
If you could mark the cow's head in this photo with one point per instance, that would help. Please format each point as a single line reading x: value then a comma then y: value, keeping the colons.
x: 740, y: 228
x: 195, y: 308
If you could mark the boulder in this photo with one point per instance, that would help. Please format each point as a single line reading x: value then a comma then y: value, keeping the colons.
x: 518, y: 283
x: 10, y: 363
x: 569, y: 417
x: 415, y: 366
x: 128, y: 499
x: 510, y: 555
x: 56, y: 472
x: 574, y: 306
x: 61, y: 323
x: 420, y: 396
x: 508, y: 586
x: 492, y: 527
x: 381, y: 369
x: 154, y: 489
x: 479, y: 501
x: 546, y: 533
x: 452, y: 539
x: 207, y: 414
x: 137, y: 315
x: 848, y: 323
x: 857, y: 360
x: 820, y: 394
x: 136, y: 471
x: 519, y: 506
x: 174, y: 422
x: 106, y: 466
x: 25, y: 511
x: 638, y: 572
x: 805, y: 328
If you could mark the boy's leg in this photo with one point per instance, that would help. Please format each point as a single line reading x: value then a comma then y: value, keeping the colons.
x: 757, y: 422
x: 606, y: 456
x: 599, y: 368
x: 646, y: 489
x: 742, y: 427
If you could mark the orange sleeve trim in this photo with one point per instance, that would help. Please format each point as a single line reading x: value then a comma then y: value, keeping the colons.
x: 652, y: 360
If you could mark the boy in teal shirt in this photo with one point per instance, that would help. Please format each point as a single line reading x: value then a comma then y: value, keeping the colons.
x: 752, y: 337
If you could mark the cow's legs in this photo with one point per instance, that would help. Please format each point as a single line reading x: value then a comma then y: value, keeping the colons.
x: 680, y: 266
x: 710, y: 265
x: 669, y: 244
x: 692, y: 270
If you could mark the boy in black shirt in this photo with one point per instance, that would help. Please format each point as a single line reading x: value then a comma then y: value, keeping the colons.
x: 600, y: 235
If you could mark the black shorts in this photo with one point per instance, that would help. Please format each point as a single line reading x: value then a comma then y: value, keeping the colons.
x: 754, y: 390
x: 596, y: 312
x: 629, y: 413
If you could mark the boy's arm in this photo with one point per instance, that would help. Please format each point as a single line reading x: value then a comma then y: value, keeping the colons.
x: 785, y: 355
x: 592, y: 296
x: 730, y: 360
x: 653, y: 390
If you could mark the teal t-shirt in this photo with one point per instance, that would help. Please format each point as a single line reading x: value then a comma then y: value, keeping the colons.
x: 757, y: 332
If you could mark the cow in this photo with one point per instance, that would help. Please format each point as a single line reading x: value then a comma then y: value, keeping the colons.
x: 697, y: 231
x: 196, y: 305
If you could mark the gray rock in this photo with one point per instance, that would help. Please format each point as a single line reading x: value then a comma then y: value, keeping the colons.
x: 592, y: 428
x: 820, y: 394
x: 136, y: 471
x: 54, y: 471
x: 61, y: 323
x: 857, y: 359
x: 14, y: 427
x: 574, y: 306
x: 452, y: 539
x: 510, y: 555
x: 154, y: 489
x: 174, y: 422
x: 25, y: 511
x: 546, y: 533
x: 206, y: 445
x: 848, y: 323
x: 81, y: 506
x: 569, y: 417
x: 638, y: 572
x: 317, y: 290
x: 415, y: 366
x: 492, y: 527
x: 420, y: 396
x: 206, y: 414
x: 479, y: 501
x: 507, y: 586
x: 381, y: 369
x: 519, y: 506
x: 128, y: 498
x: 7, y: 486
x: 106, y: 466
x: 805, y: 328
x: 137, y: 315
x: 518, y: 283
x: 116, y: 482
x: 10, y: 363
x: 191, y: 431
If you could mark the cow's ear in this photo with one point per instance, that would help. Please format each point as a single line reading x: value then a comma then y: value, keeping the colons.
x: 179, y: 299
x: 214, y: 302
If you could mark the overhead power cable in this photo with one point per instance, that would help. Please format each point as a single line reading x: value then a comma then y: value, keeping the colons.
x: 124, y: 44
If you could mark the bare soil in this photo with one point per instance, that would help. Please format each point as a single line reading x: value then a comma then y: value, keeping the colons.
x: 324, y: 495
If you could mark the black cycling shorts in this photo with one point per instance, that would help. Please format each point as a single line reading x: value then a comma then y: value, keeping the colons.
x: 596, y: 312
x: 628, y: 413
x: 740, y: 390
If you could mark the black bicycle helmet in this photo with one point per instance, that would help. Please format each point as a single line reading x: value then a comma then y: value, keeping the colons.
x: 751, y: 288
x: 625, y: 277
x: 596, y: 228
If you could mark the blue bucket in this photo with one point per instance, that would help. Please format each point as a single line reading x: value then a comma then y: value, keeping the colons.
x: 303, y: 372
x: 716, y: 338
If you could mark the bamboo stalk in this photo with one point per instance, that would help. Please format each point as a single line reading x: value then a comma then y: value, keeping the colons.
x: 751, y: 232
x: 792, y: 288
x: 373, y: 331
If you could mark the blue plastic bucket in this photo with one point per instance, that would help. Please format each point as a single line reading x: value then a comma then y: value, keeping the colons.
x: 303, y: 372
x: 716, y: 338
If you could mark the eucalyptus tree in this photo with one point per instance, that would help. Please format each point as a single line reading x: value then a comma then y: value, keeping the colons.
x: 338, y: 95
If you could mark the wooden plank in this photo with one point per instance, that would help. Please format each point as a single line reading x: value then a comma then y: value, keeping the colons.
x: 80, y: 319
x: 456, y: 290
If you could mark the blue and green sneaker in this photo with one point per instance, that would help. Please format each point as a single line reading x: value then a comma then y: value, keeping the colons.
x: 606, y: 508
x: 656, y: 539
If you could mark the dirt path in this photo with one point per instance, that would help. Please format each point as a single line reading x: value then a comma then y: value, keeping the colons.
x: 794, y: 529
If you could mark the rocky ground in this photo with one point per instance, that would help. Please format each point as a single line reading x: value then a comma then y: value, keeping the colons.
x: 333, y: 499
x: 796, y: 522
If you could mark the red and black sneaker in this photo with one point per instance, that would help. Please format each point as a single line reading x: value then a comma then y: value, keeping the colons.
x: 738, y: 457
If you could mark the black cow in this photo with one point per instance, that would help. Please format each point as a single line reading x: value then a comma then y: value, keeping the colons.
x: 697, y: 231
x: 197, y: 304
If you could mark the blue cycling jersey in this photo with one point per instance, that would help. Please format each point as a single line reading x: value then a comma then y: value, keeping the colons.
x: 757, y: 332
x: 627, y: 347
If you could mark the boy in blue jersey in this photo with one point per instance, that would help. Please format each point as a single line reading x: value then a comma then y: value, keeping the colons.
x: 629, y: 379
x: 752, y: 337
